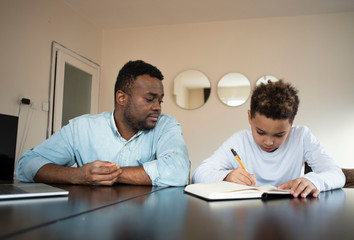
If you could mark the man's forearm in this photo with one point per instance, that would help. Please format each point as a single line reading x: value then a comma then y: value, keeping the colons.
x: 51, y: 173
x: 134, y: 175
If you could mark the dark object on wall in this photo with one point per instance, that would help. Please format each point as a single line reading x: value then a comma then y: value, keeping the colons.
x: 25, y: 101
x: 8, y: 138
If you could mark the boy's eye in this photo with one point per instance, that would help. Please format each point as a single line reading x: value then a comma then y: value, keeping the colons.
x: 260, y: 133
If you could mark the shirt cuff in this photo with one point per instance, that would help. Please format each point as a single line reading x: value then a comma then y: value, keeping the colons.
x: 151, y: 170
x: 30, y: 170
x: 222, y: 175
x: 311, y: 176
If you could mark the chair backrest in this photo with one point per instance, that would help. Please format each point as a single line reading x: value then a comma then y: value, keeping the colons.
x: 349, y: 177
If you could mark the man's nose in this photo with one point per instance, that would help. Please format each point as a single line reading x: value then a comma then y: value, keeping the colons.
x: 156, y: 106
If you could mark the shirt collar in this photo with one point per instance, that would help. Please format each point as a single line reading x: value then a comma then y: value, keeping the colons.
x: 116, y: 132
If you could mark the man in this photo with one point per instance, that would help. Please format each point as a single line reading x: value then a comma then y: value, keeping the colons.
x: 134, y: 144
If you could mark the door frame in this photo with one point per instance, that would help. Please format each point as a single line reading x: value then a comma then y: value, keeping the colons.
x: 61, y: 55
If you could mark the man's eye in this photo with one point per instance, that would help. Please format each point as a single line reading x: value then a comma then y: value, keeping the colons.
x: 279, y: 135
x: 260, y: 133
x: 149, y: 99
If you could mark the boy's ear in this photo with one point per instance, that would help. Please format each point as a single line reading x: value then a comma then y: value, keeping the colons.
x: 121, y: 97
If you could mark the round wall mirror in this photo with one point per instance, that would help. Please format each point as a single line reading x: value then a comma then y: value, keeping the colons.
x: 191, y: 89
x: 264, y: 79
x: 234, y: 89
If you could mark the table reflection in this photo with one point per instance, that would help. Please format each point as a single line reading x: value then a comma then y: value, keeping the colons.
x: 96, y: 196
x: 159, y: 215
x: 171, y: 214
x: 30, y: 213
x: 275, y: 219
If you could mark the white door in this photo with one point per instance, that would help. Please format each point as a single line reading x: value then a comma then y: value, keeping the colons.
x: 74, y: 87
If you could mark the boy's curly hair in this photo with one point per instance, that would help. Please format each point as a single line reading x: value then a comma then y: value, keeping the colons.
x: 275, y: 100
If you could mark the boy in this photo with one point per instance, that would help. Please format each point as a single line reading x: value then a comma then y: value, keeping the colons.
x: 273, y: 152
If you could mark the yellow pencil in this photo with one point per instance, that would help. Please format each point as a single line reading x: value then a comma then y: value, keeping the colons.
x: 238, y: 158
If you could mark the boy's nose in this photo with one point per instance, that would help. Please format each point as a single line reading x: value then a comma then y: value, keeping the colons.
x: 268, y: 141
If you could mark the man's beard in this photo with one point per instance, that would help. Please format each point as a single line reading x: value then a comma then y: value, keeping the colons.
x: 137, y: 124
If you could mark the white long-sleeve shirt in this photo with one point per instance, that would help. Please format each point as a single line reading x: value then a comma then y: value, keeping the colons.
x: 284, y: 164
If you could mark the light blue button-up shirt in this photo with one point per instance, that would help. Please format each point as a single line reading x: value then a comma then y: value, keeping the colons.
x: 161, y: 151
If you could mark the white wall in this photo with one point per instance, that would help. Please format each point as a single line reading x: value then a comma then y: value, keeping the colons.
x: 27, y: 31
x: 315, y: 53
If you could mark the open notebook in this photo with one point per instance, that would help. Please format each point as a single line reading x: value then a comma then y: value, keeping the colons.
x: 227, y: 190
x: 29, y: 190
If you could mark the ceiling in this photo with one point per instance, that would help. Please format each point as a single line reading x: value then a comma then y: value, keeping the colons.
x: 114, y: 14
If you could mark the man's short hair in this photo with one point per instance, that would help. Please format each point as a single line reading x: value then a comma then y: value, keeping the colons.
x: 275, y: 100
x: 131, y: 70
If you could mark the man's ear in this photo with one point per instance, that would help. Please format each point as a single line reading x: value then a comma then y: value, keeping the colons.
x: 121, y: 98
x: 249, y: 116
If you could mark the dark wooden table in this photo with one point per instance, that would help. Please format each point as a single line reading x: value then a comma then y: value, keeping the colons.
x: 17, y: 216
x: 137, y: 212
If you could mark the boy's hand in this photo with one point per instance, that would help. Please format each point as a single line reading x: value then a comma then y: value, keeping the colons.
x: 300, y: 186
x: 240, y: 176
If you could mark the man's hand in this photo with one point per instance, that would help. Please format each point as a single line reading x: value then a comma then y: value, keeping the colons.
x: 300, y: 187
x: 94, y: 173
x: 99, y: 173
x: 240, y: 176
